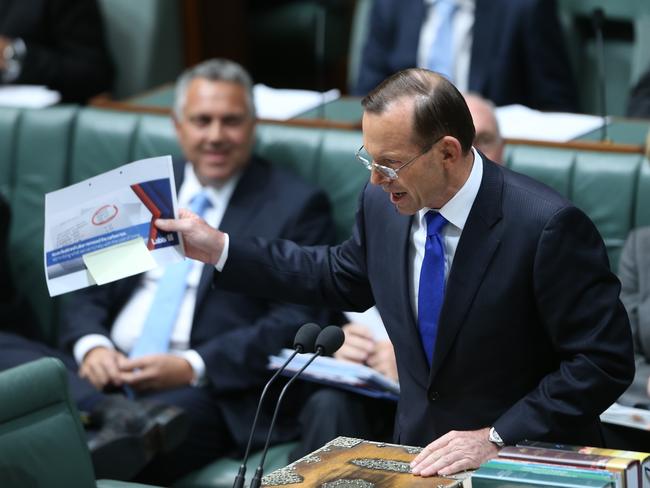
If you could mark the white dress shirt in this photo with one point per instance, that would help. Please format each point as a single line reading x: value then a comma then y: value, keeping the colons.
x: 462, y: 39
x: 456, y: 212
x: 129, y: 322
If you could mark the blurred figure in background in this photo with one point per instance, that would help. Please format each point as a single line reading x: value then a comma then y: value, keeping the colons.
x: 57, y: 43
x: 509, y: 51
x: 488, y: 138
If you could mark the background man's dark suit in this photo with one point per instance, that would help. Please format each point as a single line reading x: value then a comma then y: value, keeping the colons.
x: 234, y: 334
x: 518, y: 54
x: 532, y: 338
x: 66, y: 49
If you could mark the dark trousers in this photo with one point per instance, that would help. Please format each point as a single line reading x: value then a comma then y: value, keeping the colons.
x: 330, y: 413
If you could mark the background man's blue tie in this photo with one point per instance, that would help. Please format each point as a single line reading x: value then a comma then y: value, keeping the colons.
x: 159, y: 324
x: 441, y: 54
x: 432, y: 284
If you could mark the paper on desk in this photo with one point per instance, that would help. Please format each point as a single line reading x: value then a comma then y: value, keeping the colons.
x: 520, y: 122
x: 283, y: 104
x: 105, y: 211
x: 28, y: 96
x: 636, y: 418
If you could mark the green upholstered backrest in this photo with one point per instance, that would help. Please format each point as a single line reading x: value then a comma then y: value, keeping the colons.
x: 155, y: 136
x: 323, y: 157
x: 41, y: 157
x: 611, y: 188
x: 42, y: 442
x: 102, y: 141
x: 342, y: 177
x: 145, y: 41
x: 553, y: 167
x: 290, y: 147
x: 605, y: 188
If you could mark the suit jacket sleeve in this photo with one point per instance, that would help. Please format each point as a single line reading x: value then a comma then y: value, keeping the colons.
x: 238, y: 359
x: 72, y: 56
x: 333, y: 276
x: 578, y: 305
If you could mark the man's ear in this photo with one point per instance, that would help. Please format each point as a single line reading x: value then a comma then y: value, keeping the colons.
x: 450, y: 149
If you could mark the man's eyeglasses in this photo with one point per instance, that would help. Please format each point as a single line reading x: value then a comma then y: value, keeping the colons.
x: 391, y: 173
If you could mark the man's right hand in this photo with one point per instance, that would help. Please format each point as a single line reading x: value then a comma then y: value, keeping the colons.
x: 202, y: 242
x: 100, y: 367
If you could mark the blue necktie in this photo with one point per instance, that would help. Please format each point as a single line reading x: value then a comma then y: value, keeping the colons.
x: 432, y: 284
x: 159, y: 324
x: 441, y: 54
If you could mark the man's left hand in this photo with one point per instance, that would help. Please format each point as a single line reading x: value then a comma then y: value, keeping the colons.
x: 156, y: 372
x: 454, y: 452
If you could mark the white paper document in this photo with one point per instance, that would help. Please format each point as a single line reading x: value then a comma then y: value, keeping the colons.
x: 636, y: 418
x: 28, y: 96
x: 520, y: 122
x: 343, y: 374
x: 101, y: 229
x: 283, y: 104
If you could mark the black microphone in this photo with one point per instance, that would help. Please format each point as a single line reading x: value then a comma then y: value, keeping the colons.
x: 303, y: 342
x: 598, y: 20
x: 327, y: 342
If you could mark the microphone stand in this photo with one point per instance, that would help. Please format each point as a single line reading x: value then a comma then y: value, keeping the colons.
x: 241, y: 474
x: 257, y: 478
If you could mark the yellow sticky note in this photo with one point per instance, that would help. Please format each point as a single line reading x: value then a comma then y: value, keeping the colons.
x: 117, y: 262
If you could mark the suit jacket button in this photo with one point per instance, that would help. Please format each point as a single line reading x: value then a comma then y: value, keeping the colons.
x: 433, y: 396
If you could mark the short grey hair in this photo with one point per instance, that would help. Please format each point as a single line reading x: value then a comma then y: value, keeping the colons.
x: 217, y: 69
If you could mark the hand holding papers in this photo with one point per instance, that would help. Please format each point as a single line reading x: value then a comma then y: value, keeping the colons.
x: 101, y: 229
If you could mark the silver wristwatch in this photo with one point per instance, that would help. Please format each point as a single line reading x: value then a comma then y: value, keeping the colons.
x: 495, y: 438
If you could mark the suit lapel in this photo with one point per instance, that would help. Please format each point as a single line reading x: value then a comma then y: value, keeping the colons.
x: 475, y: 250
x: 482, y: 44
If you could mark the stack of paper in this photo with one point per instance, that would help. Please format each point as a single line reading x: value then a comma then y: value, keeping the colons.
x: 519, y: 122
x: 28, y: 96
x: 341, y: 374
x: 635, y: 418
x: 283, y: 104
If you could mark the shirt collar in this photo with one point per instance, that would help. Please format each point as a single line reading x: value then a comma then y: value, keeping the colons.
x: 457, y: 209
x: 462, y: 4
x: 217, y: 195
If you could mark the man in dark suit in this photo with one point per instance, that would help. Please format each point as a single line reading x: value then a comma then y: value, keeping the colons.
x: 495, y: 291
x: 217, y: 358
x: 509, y: 51
x: 58, y: 43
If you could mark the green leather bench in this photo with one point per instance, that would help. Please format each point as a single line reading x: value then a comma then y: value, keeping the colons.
x: 43, y: 150
x: 42, y: 442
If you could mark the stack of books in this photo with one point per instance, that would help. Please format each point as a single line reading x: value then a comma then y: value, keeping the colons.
x: 544, y: 464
